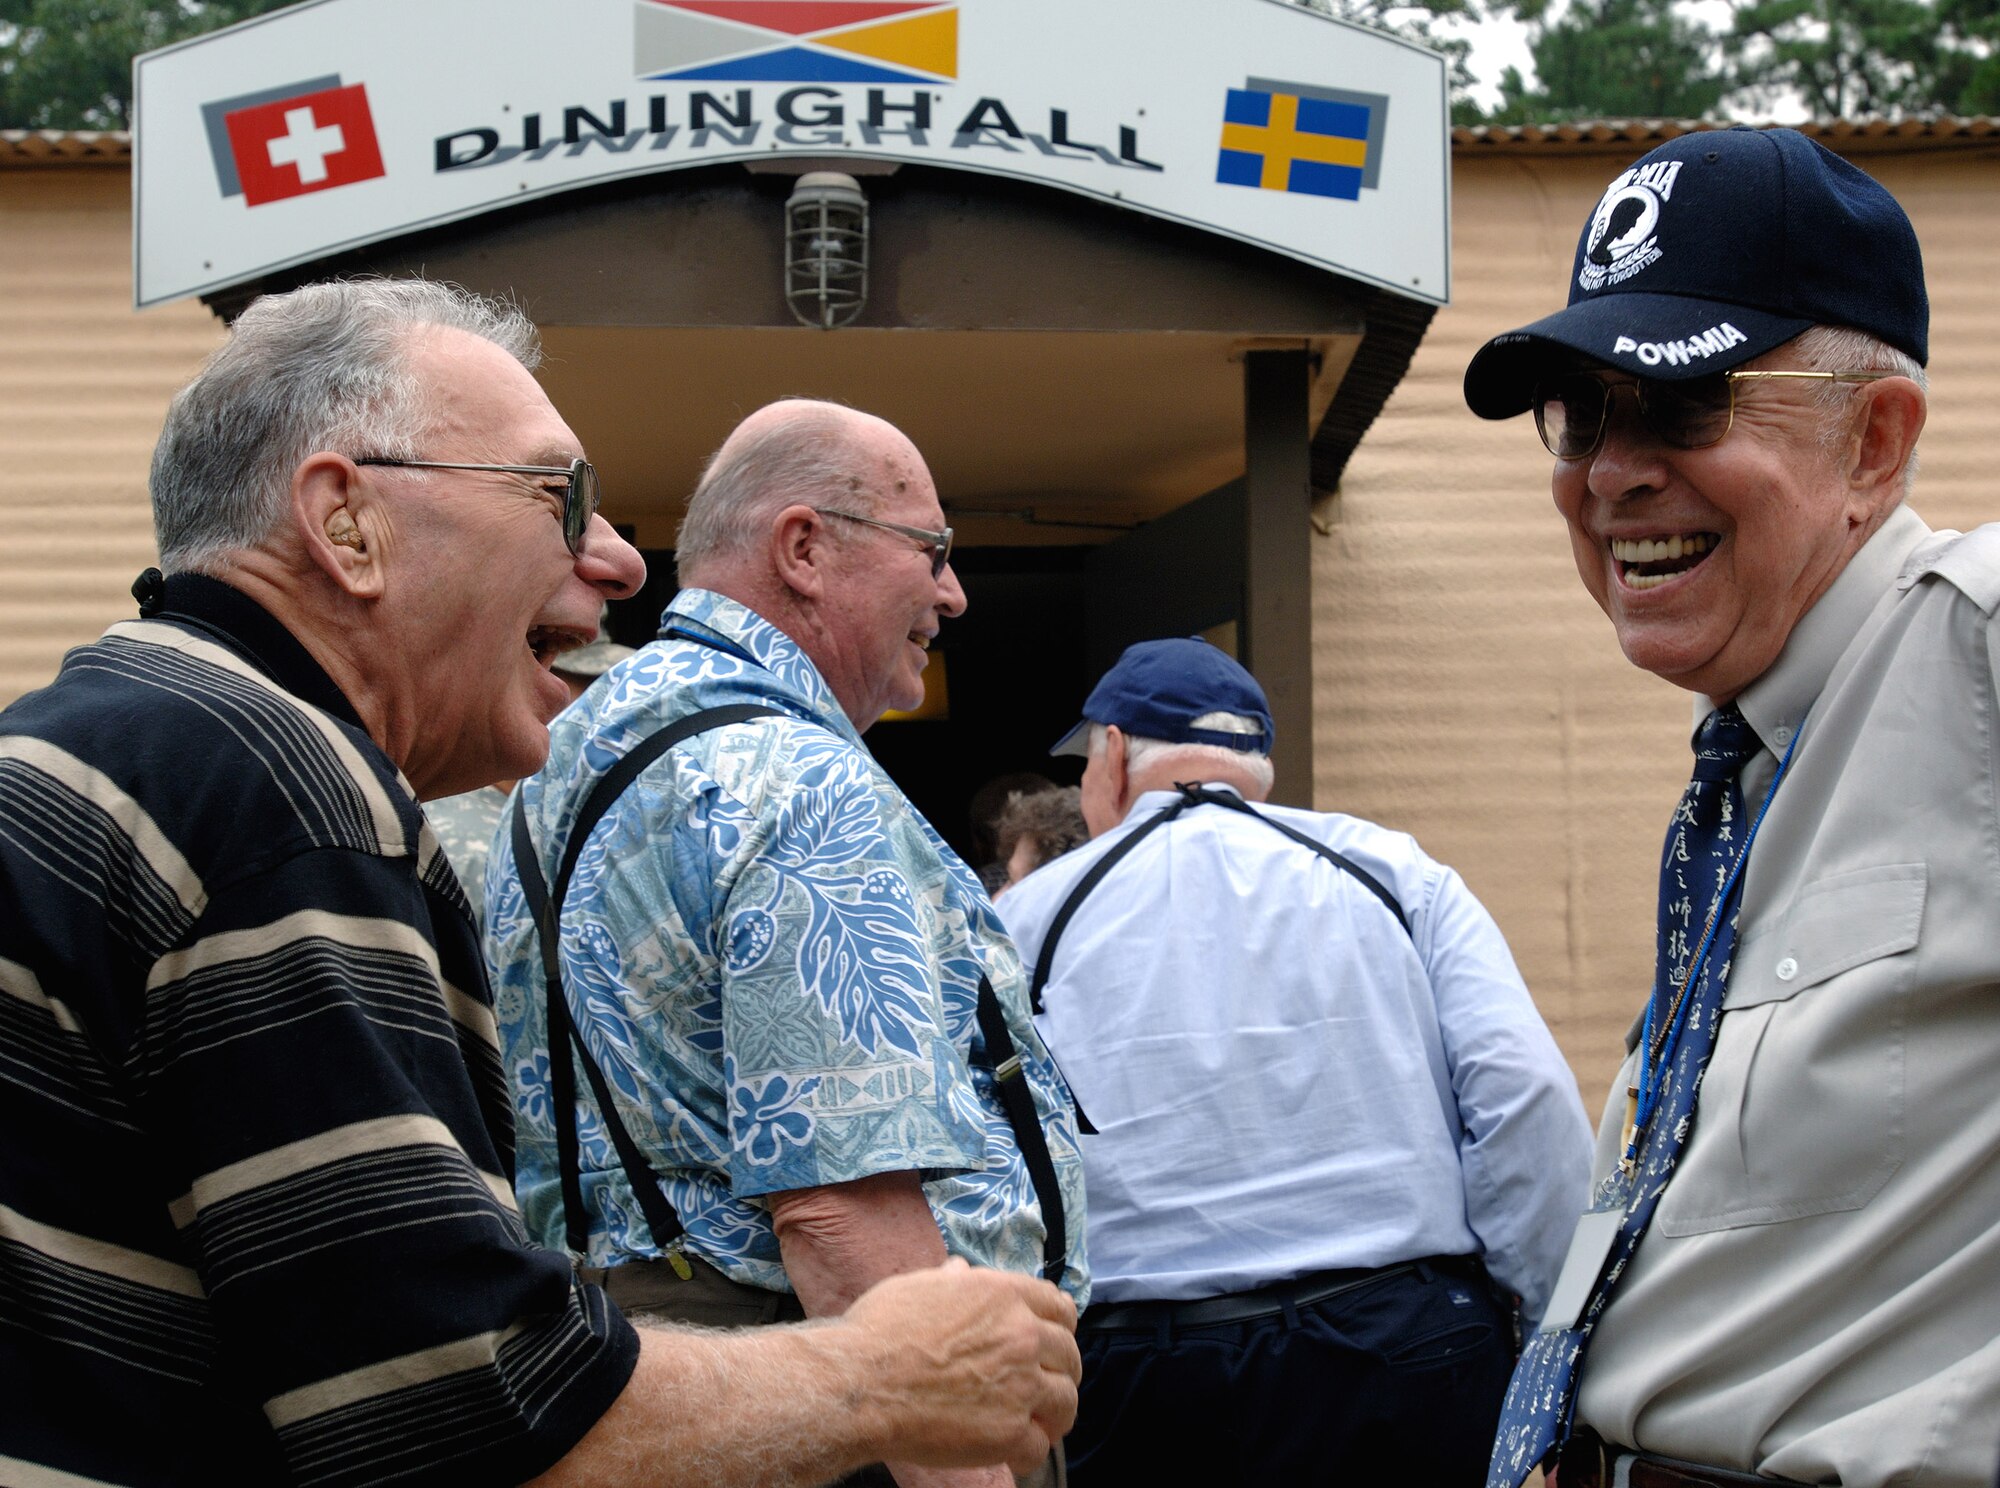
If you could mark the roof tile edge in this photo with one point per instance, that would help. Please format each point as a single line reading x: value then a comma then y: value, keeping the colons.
x: 64, y: 147
x: 1593, y: 136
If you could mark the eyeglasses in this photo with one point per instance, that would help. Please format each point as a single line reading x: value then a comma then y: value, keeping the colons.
x: 938, y: 542
x: 581, y: 493
x: 1572, y: 411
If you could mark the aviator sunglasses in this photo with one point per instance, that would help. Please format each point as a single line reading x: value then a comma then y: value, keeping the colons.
x: 580, y: 491
x: 1573, y: 409
x: 938, y: 542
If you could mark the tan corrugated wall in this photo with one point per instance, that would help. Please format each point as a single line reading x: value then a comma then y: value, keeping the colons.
x: 84, y: 382
x: 1468, y: 691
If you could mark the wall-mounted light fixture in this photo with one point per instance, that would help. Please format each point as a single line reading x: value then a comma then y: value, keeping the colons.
x: 826, y: 249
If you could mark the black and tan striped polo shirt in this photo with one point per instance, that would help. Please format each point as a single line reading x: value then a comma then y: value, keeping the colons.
x: 256, y: 1150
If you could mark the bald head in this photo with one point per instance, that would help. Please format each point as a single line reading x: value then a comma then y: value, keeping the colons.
x: 795, y: 452
x: 825, y: 522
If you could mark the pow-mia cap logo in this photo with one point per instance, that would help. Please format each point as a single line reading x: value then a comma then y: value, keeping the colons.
x: 1710, y: 251
x: 1623, y: 238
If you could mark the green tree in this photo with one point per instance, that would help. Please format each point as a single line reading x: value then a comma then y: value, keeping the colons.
x: 67, y: 64
x: 1847, y: 59
x: 1851, y: 59
x: 1615, y: 59
x: 1969, y: 55
x: 1416, y: 21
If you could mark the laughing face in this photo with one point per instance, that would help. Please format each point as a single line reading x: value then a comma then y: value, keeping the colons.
x: 1705, y: 559
x: 484, y: 591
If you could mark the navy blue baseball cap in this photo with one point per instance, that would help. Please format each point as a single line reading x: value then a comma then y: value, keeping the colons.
x: 1712, y: 250
x: 1159, y: 688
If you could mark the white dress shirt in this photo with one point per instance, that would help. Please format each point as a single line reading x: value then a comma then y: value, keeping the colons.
x: 1283, y: 1081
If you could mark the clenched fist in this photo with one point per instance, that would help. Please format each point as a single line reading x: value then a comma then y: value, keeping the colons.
x: 968, y: 1366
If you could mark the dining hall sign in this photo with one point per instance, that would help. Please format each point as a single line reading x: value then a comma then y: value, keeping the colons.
x: 340, y: 123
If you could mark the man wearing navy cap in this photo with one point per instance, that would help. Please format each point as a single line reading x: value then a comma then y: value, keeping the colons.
x: 1334, y: 1140
x: 1790, y: 1268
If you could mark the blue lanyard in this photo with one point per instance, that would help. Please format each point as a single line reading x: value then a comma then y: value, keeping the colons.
x: 1652, y: 1073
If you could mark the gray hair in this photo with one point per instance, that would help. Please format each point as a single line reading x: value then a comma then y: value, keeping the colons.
x: 325, y: 367
x: 1843, y: 349
x: 1143, y: 753
x: 808, y: 457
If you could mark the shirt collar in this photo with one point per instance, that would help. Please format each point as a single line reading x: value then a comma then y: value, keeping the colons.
x: 232, y: 617
x: 1155, y: 801
x: 704, y: 615
x: 1777, y: 702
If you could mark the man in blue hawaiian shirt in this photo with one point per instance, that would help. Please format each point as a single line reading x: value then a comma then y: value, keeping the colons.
x: 774, y: 960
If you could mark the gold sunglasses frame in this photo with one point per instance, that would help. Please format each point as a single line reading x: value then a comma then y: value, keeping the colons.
x: 1639, y: 386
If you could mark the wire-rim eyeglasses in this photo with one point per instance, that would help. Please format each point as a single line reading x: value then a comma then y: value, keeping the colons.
x: 938, y: 542
x: 1573, y: 409
x: 581, y: 492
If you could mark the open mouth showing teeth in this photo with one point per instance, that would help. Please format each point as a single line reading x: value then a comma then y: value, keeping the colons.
x: 547, y: 642
x: 1649, y: 561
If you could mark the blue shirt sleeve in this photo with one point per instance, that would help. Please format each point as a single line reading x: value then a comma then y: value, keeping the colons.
x: 1525, y: 1145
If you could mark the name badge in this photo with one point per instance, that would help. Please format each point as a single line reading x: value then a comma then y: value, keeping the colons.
x: 1589, y: 1247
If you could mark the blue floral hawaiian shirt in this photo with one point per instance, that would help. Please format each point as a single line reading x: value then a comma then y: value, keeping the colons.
x: 775, y: 961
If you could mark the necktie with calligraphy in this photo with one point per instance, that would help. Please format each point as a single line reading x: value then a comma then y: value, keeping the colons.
x: 1699, y: 885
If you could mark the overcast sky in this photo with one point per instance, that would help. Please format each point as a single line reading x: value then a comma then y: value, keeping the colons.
x: 1496, y: 45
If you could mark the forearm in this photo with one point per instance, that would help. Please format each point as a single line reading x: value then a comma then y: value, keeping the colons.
x: 948, y: 1367
x: 839, y: 1241
x: 756, y: 1407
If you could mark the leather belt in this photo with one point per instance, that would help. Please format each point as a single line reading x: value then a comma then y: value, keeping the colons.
x: 1246, y: 1307
x: 1588, y: 1461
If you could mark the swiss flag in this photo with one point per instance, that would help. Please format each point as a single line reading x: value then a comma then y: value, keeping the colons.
x: 309, y: 143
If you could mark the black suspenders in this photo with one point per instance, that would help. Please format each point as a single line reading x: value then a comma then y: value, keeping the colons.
x: 664, y: 1224
x: 546, y: 907
x: 1191, y: 795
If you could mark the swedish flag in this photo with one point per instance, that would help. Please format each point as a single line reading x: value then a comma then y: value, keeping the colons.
x: 1309, y: 140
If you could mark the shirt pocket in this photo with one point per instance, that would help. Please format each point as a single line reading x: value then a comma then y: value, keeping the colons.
x: 1802, y: 1108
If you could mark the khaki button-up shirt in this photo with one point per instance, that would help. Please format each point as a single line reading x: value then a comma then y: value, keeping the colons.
x: 1819, y: 1295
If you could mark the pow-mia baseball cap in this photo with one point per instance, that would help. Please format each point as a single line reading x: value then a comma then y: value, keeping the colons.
x: 1159, y: 688
x: 1713, y: 249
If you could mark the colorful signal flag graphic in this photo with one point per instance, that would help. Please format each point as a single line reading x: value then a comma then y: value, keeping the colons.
x: 1294, y: 137
x: 796, y: 41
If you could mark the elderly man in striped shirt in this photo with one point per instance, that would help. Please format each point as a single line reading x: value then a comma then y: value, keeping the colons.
x: 256, y: 1187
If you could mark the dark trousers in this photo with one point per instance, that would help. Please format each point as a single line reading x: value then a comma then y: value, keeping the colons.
x: 1402, y: 1374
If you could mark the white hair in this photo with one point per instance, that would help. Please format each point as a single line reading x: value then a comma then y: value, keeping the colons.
x: 325, y: 367
x: 1142, y: 754
x: 807, y: 457
x: 1843, y: 349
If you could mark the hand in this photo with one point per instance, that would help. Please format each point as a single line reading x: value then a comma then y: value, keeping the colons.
x: 968, y: 1367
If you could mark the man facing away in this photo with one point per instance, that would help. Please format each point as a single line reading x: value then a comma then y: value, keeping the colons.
x: 808, y: 1022
x: 1791, y: 1267
x: 256, y: 1219
x: 1334, y: 1140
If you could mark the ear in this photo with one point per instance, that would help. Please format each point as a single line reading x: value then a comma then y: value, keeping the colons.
x: 1880, y: 443
x: 799, y: 551
x: 339, y: 524
x: 1114, y: 767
